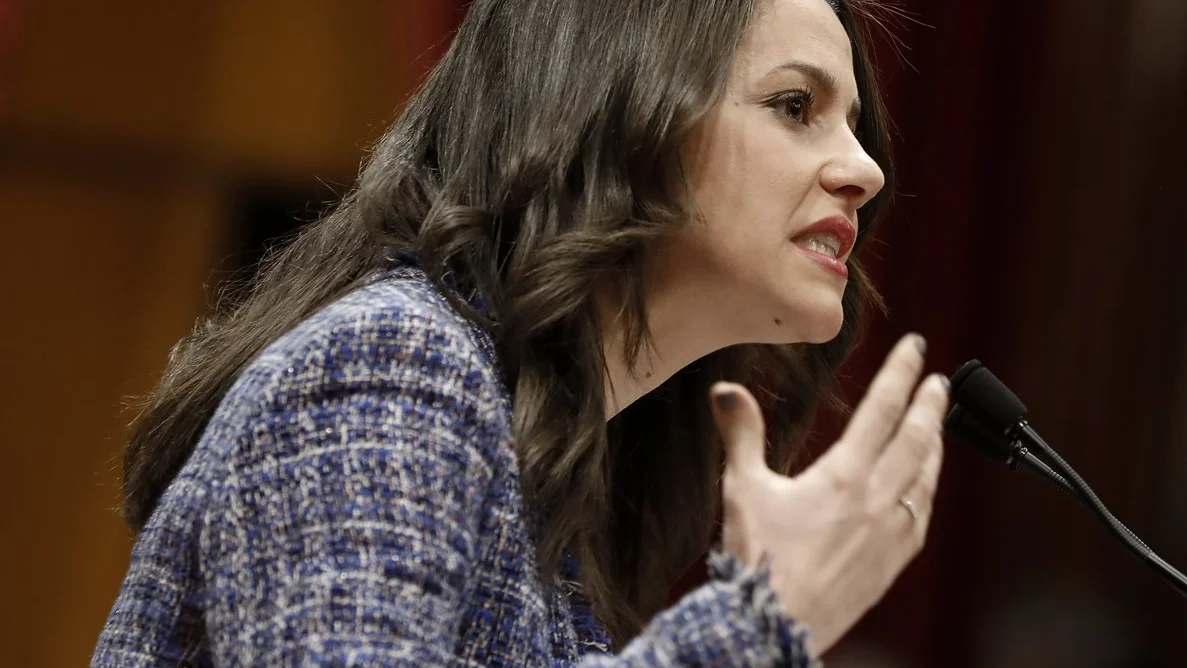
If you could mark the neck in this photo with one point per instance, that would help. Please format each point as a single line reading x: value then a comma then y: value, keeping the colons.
x: 685, y: 322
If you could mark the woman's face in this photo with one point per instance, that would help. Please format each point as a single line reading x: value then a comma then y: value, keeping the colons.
x: 777, y: 176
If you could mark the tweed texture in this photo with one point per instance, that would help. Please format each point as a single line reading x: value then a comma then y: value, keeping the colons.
x: 355, y: 500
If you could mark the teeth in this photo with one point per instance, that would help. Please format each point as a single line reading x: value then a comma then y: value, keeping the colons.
x: 825, y: 244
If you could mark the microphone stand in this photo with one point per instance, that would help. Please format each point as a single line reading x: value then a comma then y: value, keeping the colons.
x: 1067, y: 479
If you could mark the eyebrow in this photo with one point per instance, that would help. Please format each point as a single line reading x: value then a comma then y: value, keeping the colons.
x: 825, y: 80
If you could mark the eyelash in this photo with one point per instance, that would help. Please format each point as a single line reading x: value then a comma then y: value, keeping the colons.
x: 800, y: 96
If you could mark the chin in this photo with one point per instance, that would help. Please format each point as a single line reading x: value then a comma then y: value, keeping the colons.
x: 823, y: 334
x: 821, y: 324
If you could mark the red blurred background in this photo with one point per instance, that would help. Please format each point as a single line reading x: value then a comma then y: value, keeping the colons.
x: 149, y: 151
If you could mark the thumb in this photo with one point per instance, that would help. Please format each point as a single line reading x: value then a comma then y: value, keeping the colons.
x: 739, y: 421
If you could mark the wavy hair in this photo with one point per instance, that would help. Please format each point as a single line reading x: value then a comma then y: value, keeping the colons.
x: 541, y: 156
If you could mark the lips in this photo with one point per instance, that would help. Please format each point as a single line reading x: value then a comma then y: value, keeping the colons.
x: 833, y: 237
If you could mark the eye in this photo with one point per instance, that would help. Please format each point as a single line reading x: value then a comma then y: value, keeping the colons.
x: 796, y: 104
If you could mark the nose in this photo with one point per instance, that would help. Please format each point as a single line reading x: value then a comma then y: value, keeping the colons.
x: 851, y: 173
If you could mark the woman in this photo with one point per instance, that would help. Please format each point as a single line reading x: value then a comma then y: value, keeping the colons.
x: 466, y: 418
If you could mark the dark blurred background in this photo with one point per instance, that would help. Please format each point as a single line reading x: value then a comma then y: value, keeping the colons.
x: 149, y: 151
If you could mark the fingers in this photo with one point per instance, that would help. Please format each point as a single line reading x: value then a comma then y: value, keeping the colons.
x: 922, y: 494
x: 739, y: 421
x: 917, y: 437
x: 879, y: 413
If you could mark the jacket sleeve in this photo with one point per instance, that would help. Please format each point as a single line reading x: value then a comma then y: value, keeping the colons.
x: 344, y: 526
x: 733, y: 620
x: 343, y: 529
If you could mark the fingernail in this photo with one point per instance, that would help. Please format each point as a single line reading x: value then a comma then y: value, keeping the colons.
x: 921, y: 344
x: 725, y: 399
x: 947, y: 383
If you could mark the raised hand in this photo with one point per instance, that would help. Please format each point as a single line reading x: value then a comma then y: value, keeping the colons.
x: 838, y: 534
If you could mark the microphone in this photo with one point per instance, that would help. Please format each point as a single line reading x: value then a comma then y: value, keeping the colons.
x: 970, y: 430
x: 991, y: 419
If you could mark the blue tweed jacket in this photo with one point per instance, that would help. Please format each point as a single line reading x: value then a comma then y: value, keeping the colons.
x: 355, y: 501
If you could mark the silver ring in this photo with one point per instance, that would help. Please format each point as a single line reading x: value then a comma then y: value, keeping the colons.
x: 910, y: 506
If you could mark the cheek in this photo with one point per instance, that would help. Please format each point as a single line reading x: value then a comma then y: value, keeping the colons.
x: 776, y: 174
x: 753, y: 188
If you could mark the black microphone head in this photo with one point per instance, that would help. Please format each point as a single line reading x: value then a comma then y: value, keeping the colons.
x: 976, y: 389
x: 966, y: 427
x: 957, y: 378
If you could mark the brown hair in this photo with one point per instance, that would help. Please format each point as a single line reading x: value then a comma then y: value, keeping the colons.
x: 537, y: 160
